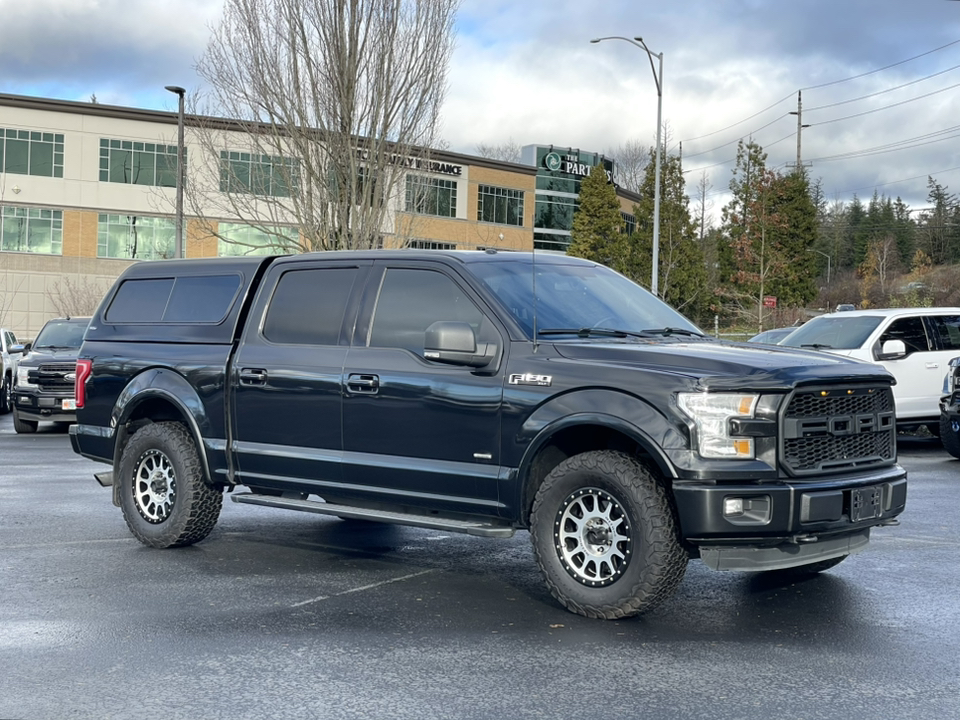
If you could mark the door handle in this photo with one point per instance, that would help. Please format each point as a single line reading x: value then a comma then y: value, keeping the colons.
x: 253, y: 376
x: 932, y: 365
x: 366, y: 384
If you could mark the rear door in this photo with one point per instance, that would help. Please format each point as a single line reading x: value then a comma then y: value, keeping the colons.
x: 286, y: 376
x: 418, y: 432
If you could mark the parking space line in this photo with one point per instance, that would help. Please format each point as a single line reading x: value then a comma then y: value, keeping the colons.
x: 360, y: 589
x: 33, y: 546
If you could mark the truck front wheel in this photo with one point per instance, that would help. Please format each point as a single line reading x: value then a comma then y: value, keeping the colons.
x: 163, y: 495
x: 606, y: 537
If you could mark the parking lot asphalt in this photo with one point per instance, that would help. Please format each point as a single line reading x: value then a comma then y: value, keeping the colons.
x: 290, y: 615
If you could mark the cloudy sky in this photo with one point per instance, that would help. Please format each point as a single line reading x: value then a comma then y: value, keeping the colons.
x: 880, y: 78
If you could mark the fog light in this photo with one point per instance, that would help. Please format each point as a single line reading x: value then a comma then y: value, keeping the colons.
x: 732, y: 507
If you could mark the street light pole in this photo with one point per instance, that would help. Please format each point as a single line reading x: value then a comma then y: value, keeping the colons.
x: 658, y: 79
x: 181, y: 168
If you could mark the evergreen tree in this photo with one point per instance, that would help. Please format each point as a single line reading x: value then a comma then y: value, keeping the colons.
x: 682, y: 275
x: 796, y: 235
x: 598, y: 226
x: 904, y: 231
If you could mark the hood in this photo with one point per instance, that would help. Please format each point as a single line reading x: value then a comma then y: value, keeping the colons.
x: 44, y: 355
x: 718, y: 365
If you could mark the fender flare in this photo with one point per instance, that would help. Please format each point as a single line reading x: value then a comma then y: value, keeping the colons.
x: 622, y: 412
x: 167, y: 385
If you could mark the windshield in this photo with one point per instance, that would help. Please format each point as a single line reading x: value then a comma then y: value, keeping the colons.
x: 575, y: 297
x: 60, y: 335
x: 833, y: 332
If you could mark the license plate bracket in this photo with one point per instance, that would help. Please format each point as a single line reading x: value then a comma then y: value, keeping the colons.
x: 866, y: 503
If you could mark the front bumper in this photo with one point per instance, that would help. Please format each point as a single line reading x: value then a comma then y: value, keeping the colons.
x: 788, y: 514
x: 44, y: 406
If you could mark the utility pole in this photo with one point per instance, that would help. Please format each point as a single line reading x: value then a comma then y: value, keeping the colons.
x: 800, y: 127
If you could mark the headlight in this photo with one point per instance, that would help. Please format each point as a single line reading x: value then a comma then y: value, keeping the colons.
x: 712, y: 414
x: 23, y: 376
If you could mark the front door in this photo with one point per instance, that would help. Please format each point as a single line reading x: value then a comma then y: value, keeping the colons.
x: 418, y: 432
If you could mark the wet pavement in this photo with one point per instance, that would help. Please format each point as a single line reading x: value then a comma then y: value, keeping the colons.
x: 289, y: 615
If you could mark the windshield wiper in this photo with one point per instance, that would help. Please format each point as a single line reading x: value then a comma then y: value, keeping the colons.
x: 816, y: 346
x: 585, y: 332
x: 56, y: 347
x: 667, y: 331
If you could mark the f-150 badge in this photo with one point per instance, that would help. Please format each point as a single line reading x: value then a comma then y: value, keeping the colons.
x: 531, y: 379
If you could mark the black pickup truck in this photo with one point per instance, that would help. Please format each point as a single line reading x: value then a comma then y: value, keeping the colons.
x: 484, y: 393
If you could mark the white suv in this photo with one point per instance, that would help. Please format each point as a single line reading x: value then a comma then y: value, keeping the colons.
x: 913, y: 344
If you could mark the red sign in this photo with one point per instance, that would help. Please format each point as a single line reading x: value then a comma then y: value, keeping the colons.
x: 769, y: 301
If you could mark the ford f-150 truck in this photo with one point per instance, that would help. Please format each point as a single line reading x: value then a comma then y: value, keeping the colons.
x: 483, y: 393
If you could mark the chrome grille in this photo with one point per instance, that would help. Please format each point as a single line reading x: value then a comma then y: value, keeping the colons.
x: 831, y: 428
x: 53, y: 377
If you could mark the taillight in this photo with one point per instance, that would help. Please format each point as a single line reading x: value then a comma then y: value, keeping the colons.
x: 84, y: 368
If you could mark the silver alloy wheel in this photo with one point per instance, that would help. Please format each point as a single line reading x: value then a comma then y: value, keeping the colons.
x: 154, y: 486
x: 592, y: 536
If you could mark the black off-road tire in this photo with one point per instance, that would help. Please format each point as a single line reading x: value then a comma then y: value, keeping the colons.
x: 6, y: 395
x: 949, y: 437
x: 631, y: 561
x: 163, y: 495
x: 23, y: 426
x: 814, y: 568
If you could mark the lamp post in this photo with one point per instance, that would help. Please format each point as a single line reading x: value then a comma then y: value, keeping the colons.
x: 828, y: 261
x: 181, y: 168
x: 658, y: 79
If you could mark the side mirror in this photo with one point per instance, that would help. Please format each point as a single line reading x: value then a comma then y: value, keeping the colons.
x: 27, y: 347
x: 14, y: 349
x: 455, y: 343
x: 892, y: 350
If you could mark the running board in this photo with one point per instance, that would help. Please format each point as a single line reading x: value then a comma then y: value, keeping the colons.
x: 468, y: 527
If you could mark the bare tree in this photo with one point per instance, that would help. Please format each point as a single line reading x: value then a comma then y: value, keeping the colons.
x: 334, y: 102
x: 508, y: 151
x: 630, y: 164
x: 77, y: 297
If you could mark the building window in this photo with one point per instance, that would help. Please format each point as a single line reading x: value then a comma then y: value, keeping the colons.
x: 430, y: 245
x: 253, y: 174
x: 239, y: 239
x: 629, y: 223
x: 26, y: 152
x: 431, y: 196
x: 136, y: 237
x: 31, y: 230
x: 138, y: 163
x: 500, y: 205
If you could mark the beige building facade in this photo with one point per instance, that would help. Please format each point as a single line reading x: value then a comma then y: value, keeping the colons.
x: 87, y: 189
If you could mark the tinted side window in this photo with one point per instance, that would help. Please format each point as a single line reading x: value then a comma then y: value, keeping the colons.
x: 948, y: 330
x: 411, y: 301
x: 911, y: 331
x: 140, y: 301
x: 307, y: 306
x: 200, y: 299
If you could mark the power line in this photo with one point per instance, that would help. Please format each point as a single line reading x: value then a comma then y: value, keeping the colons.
x: 885, y: 67
x: 886, y: 107
x: 834, y: 82
x: 882, y: 92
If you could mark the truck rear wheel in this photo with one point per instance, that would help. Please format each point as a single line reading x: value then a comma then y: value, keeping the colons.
x: 606, y: 537
x: 163, y: 495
